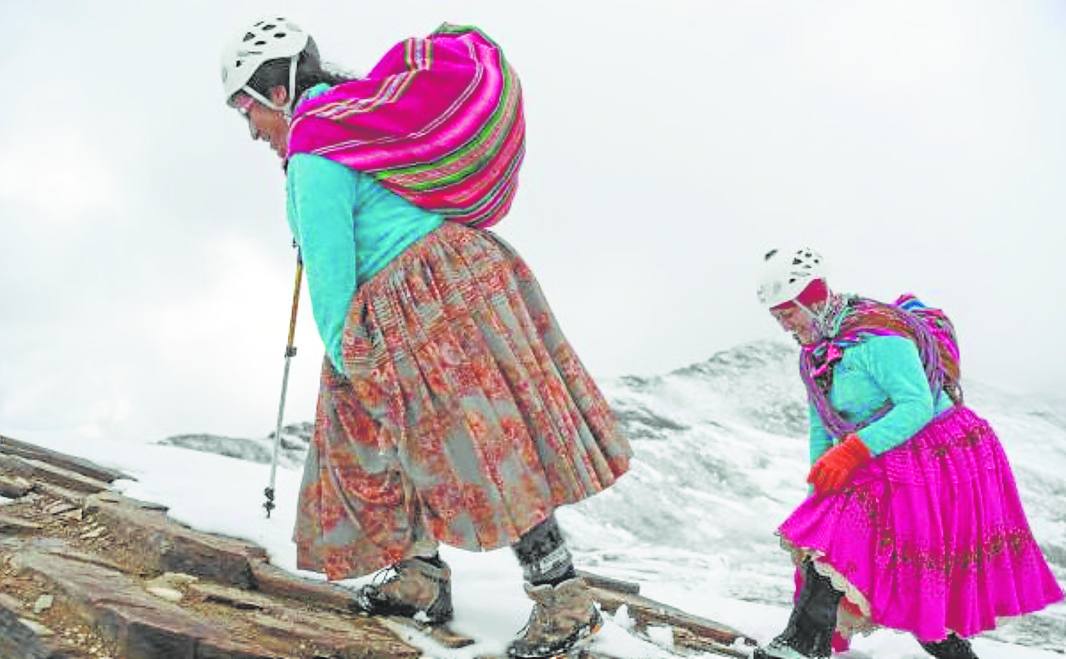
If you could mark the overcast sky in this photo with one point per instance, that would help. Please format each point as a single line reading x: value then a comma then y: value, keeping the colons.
x: 147, y: 265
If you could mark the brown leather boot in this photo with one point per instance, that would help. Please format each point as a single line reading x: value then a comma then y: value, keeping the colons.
x: 563, y: 617
x: 416, y: 588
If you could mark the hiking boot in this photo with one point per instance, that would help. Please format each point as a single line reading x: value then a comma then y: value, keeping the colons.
x: 563, y: 617
x: 951, y: 647
x: 413, y: 588
x: 809, y: 633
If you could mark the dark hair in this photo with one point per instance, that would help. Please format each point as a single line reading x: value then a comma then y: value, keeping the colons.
x: 309, y: 72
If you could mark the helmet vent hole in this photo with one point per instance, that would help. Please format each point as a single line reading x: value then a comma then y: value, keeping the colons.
x: 248, y: 36
x: 260, y: 43
x: 238, y: 64
x: 279, y: 35
x: 269, y: 27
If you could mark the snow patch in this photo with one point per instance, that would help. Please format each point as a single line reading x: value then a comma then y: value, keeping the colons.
x: 720, y: 461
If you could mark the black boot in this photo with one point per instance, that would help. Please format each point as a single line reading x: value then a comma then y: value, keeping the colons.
x: 951, y: 647
x: 809, y: 633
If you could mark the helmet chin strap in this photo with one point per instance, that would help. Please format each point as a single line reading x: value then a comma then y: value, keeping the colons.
x: 284, y: 109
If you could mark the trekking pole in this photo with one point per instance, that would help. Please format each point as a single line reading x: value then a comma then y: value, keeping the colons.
x: 290, y: 352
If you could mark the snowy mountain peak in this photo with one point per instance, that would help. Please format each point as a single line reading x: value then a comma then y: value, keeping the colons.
x: 743, y: 358
x: 295, y: 438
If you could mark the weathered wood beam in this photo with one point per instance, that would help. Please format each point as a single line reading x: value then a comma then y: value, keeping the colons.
x: 14, y: 487
x: 167, y: 546
x: 272, y: 580
x: 78, y: 465
x: 645, y: 612
x: 18, y: 640
x: 609, y: 583
x: 38, y: 471
x: 143, y: 626
x: 10, y: 525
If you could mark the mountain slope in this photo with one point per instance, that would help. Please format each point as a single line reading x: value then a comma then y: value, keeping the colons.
x: 720, y: 460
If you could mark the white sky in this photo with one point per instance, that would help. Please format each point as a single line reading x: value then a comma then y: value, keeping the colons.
x: 146, y: 264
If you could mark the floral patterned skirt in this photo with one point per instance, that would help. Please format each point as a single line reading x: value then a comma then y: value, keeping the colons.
x: 466, y: 416
x: 930, y: 537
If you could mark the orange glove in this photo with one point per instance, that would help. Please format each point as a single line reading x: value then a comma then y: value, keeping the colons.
x: 835, y: 468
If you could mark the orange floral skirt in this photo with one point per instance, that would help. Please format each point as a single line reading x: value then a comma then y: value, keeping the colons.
x: 466, y: 417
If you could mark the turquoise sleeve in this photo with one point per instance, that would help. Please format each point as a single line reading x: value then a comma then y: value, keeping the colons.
x: 893, y: 363
x: 820, y: 441
x: 321, y: 203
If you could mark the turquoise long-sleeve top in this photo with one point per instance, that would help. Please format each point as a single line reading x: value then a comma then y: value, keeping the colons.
x: 880, y: 369
x: 348, y: 228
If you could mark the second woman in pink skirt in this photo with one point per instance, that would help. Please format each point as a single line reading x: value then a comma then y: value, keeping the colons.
x: 914, y: 522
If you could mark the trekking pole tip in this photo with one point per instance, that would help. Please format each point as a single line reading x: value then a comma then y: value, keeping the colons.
x: 269, y: 504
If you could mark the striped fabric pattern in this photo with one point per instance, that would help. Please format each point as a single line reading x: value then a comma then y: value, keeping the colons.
x: 438, y: 121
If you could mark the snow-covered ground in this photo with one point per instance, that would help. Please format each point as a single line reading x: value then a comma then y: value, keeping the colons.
x: 720, y: 461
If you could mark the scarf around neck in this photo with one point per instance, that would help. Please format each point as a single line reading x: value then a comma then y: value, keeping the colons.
x: 857, y: 319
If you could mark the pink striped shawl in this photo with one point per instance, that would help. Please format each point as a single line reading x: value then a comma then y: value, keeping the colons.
x: 438, y: 121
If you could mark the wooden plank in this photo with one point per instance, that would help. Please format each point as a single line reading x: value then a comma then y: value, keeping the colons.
x: 75, y: 555
x: 609, y: 583
x: 443, y: 634
x: 10, y: 525
x: 73, y: 463
x: 14, y: 487
x: 273, y: 580
x: 12, y: 466
x: 36, y: 470
x: 647, y: 611
x: 143, y: 626
x: 354, y: 637
x: 683, y: 638
x: 12, y: 604
x: 123, y: 610
x: 65, y: 477
x: 63, y: 493
x: 233, y: 597
x: 167, y: 546
x: 115, y: 497
x: 18, y: 640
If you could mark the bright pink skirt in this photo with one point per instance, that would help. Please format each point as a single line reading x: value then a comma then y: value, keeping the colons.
x: 929, y: 537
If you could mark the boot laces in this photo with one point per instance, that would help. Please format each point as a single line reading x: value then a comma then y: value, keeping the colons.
x: 385, y: 577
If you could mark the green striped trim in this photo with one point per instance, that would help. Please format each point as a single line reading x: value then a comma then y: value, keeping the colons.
x: 450, y: 28
x: 507, y: 97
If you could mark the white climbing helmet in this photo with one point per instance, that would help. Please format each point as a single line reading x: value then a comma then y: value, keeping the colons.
x: 274, y: 37
x: 786, y: 273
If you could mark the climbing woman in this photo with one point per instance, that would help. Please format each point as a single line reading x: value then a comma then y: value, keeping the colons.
x: 451, y: 407
x: 914, y: 521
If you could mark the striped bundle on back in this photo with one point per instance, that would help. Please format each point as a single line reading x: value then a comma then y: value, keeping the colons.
x: 438, y: 121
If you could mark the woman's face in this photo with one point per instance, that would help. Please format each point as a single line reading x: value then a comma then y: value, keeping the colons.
x: 799, y: 322
x: 265, y: 123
